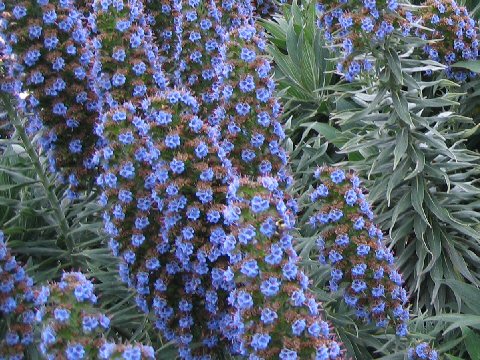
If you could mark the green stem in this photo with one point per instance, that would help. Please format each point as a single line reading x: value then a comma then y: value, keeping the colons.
x: 47, y: 186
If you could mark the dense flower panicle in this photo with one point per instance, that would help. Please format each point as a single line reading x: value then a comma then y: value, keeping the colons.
x: 351, y: 243
x: 45, y: 55
x: 220, y: 58
x: 422, y: 351
x: 160, y: 182
x: 16, y: 296
x: 72, y: 328
x: 180, y: 203
x: 353, y: 26
x: 240, y: 102
x: 190, y: 35
x: 273, y: 316
x: 457, y: 34
x: 249, y: 112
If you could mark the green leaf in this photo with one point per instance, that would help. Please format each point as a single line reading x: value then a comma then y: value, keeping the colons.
x: 400, y: 146
x: 397, y: 177
x: 418, y: 194
x: 329, y: 132
x: 468, y: 293
x: 472, y: 343
x: 394, y: 65
x: 400, y: 106
x: 451, y: 357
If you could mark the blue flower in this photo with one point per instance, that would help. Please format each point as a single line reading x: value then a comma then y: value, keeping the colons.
x: 89, y: 323
x: 247, y: 55
x: 177, y: 166
x: 244, y: 300
x: 48, y: 336
x: 128, y: 171
x: 250, y: 268
x: 201, y: 150
x: 270, y: 287
x: 19, y: 12
x: 287, y: 354
x: 363, y: 250
x: 298, y: 327
x: 205, y: 196
x: 289, y: 271
x: 260, y: 341
x: 139, y: 68
x: 172, y: 141
x: 123, y: 25
x: 61, y: 315
x: 75, y: 352
x: 259, y: 204
x: 268, y: 316
x: 358, y: 285
x: 359, y: 269
x: 242, y: 109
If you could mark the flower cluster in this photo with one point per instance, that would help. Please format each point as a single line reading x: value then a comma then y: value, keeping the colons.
x: 158, y: 177
x: 251, y: 133
x: 273, y: 315
x: 72, y: 328
x: 219, y: 57
x: 16, y: 296
x: 191, y: 36
x: 351, y: 243
x: 45, y: 56
x: 353, y: 26
x: 454, y: 37
x: 422, y: 351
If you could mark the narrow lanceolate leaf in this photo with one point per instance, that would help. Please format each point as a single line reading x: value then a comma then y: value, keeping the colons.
x: 394, y: 65
x: 417, y: 197
x: 419, y: 159
x: 472, y: 341
x: 400, y: 146
x: 400, y: 106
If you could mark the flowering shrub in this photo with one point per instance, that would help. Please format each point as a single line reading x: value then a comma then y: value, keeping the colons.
x: 351, y: 243
x: 158, y: 180
x: 16, y: 297
x: 273, y: 312
x: 72, y: 328
x: 193, y: 179
x: 44, y: 55
x: 422, y: 351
